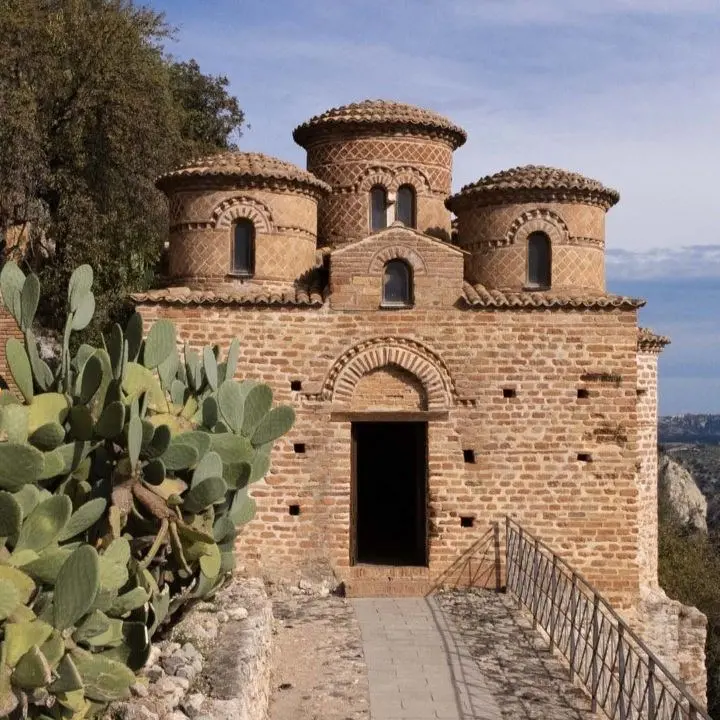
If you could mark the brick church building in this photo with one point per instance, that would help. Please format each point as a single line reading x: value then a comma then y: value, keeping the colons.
x: 451, y: 358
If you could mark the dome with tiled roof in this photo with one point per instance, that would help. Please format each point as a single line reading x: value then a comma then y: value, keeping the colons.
x: 381, y: 114
x: 246, y: 167
x: 534, y: 183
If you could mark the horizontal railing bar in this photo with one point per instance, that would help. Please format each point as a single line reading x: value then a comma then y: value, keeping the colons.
x: 615, y: 664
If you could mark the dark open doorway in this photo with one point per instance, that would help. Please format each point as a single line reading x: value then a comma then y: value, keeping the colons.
x: 390, y: 498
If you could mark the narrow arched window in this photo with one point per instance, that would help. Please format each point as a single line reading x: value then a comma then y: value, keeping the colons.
x: 243, y: 248
x: 378, y: 208
x: 405, y: 205
x: 539, y: 260
x: 397, y: 284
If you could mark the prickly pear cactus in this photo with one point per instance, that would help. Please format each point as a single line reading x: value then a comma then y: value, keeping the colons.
x: 124, y: 478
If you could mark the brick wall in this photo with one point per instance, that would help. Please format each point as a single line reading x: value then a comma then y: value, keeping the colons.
x: 353, y: 163
x: 496, y: 237
x: 8, y: 329
x: 201, y: 233
x: 526, y: 447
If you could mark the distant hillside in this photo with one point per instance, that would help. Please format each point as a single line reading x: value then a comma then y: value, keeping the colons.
x: 689, y: 429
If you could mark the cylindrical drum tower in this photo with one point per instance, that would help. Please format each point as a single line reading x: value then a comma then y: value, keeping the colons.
x: 385, y: 162
x: 237, y: 217
x: 534, y: 228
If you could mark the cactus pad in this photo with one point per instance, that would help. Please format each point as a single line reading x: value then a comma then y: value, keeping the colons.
x: 76, y: 586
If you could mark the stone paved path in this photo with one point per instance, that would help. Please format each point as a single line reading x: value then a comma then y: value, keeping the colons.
x: 461, y: 656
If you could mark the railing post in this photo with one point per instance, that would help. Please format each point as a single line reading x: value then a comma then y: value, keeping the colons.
x: 553, y: 617
x: 507, y: 553
x: 521, y: 542
x: 621, y: 671
x: 652, y: 707
x: 573, y: 639
x: 535, y: 588
x: 595, y: 651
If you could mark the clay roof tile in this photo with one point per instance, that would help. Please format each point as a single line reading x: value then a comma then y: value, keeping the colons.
x: 478, y: 296
x: 534, y: 182
x: 380, y: 114
x: 246, y: 167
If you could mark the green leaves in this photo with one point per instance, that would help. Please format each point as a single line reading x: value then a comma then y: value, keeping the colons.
x: 45, y: 524
x: 19, y: 464
x: 276, y: 423
x: 159, y: 344
x: 12, y: 280
x: 83, y: 518
x: 76, y: 587
x: 10, y: 514
x: 231, y: 401
x: 19, y: 364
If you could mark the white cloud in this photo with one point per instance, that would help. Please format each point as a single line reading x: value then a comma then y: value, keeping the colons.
x: 572, y: 12
x: 700, y: 261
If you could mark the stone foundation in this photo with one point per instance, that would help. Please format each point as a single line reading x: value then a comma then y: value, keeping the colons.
x: 676, y: 634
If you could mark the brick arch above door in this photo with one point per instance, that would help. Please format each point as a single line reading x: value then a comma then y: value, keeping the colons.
x: 388, y: 352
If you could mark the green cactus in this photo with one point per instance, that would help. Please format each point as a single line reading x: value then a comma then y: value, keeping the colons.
x: 124, y: 476
x: 76, y: 586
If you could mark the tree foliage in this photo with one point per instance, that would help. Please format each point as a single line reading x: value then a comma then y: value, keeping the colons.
x: 93, y: 110
x: 689, y: 571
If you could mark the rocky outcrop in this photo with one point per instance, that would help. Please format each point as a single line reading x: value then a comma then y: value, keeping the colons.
x: 677, y: 486
x: 215, y: 664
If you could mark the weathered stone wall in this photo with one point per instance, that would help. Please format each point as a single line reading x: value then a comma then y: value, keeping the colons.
x: 647, y: 467
x: 526, y: 447
x: 676, y: 634
x: 353, y: 163
x: 201, y: 233
x: 496, y: 237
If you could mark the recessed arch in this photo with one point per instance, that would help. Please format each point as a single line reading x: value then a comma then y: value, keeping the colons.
x: 402, y: 353
x: 231, y: 210
x: 539, y: 220
x: 397, y: 252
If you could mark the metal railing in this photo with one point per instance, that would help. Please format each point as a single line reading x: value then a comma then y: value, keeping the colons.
x: 623, y: 676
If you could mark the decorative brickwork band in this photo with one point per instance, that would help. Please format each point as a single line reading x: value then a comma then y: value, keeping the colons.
x: 243, y: 207
x: 392, y: 179
x: 532, y: 221
x: 401, y: 252
x: 403, y: 353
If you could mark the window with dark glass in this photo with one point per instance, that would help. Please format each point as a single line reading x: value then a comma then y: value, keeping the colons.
x: 539, y: 260
x: 397, y: 284
x: 243, y: 252
x: 378, y: 208
x: 405, y: 205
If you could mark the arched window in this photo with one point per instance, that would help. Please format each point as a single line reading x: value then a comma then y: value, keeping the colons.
x: 539, y: 260
x: 405, y: 205
x: 397, y: 284
x: 378, y: 208
x: 243, y: 248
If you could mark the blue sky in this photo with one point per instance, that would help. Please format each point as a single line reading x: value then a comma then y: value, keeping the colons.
x: 627, y: 91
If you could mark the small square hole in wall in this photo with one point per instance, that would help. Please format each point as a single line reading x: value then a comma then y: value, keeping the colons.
x: 583, y: 393
x: 584, y: 457
x: 299, y: 448
x: 467, y: 521
x: 296, y: 385
x: 469, y: 456
x: 294, y: 510
x: 509, y: 392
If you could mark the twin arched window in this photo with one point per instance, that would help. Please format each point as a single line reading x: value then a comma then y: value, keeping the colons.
x: 397, y: 288
x: 243, y: 248
x: 539, y: 261
x: 405, y: 210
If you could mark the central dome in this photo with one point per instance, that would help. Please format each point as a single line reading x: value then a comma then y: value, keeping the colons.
x: 383, y: 114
